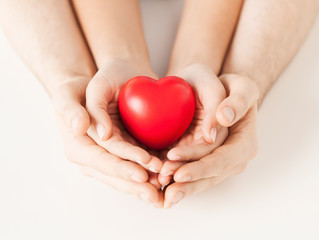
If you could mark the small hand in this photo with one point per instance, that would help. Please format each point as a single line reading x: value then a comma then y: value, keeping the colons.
x: 106, y: 128
x: 232, y: 157
x: 204, y: 133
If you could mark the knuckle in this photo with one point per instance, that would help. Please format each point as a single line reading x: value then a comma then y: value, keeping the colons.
x: 241, y: 102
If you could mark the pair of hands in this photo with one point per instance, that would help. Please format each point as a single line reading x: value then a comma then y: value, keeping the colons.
x: 198, y: 161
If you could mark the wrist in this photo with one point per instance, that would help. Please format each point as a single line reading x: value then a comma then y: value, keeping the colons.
x: 180, y: 61
x: 175, y: 67
x: 128, y: 66
x: 260, y: 89
x: 131, y: 52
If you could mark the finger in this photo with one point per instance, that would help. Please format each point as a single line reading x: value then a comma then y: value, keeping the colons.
x: 84, y: 151
x: 196, y: 151
x: 98, y: 94
x: 117, y: 146
x: 144, y: 191
x: 242, y: 94
x: 177, y: 191
x: 153, y: 179
x: 167, y: 171
x: 128, y: 151
x: 67, y: 100
x: 240, y: 147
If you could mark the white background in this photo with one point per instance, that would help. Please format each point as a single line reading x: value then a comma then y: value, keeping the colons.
x: 43, y: 196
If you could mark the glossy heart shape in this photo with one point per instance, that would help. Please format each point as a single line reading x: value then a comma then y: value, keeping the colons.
x: 157, y: 112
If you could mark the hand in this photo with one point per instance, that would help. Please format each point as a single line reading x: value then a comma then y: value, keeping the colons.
x: 106, y: 128
x: 95, y: 161
x: 232, y: 157
x: 204, y: 133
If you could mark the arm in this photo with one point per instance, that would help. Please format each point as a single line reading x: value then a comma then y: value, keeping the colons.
x: 47, y: 37
x: 204, y: 33
x: 269, y: 34
x: 113, y: 30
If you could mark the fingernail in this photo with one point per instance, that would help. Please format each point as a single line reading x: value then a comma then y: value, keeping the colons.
x: 228, y: 113
x: 213, y: 134
x: 187, y: 178
x: 178, y: 197
x: 100, y: 131
x: 143, y: 197
x: 172, y: 156
x: 139, y: 162
x: 75, y: 122
x: 136, y: 178
x: 167, y: 174
x: 153, y: 170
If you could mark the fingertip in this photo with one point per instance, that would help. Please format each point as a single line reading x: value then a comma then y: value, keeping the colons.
x: 225, y: 116
x: 207, y: 135
x: 164, y: 180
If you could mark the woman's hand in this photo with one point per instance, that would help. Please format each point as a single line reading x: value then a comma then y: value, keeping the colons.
x: 95, y: 161
x: 204, y: 133
x: 232, y: 157
x: 106, y: 128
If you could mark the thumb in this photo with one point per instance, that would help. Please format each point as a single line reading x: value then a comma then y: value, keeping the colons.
x: 67, y: 100
x: 98, y: 95
x: 242, y: 95
x: 212, y: 95
x: 209, y: 92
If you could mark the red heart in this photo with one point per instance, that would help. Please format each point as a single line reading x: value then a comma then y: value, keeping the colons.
x: 157, y: 112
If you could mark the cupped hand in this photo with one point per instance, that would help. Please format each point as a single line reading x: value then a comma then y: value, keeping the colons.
x: 106, y: 128
x: 230, y: 158
x: 204, y: 133
x: 73, y: 121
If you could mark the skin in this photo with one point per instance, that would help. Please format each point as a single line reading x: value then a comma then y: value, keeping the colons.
x: 192, y: 65
x: 268, y: 35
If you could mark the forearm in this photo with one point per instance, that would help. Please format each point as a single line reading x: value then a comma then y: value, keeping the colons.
x: 113, y: 29
x: 268, y: 35
x: 46, y: 35
x: 204, y: 33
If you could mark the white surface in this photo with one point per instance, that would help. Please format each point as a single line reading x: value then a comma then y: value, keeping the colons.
x: 43, y: 196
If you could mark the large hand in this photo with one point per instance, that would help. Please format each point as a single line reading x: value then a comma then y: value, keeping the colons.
x: 232, y: 157
x: 204, y: 133
x: 106, y: 128
x: 95, y: 161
